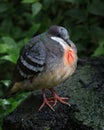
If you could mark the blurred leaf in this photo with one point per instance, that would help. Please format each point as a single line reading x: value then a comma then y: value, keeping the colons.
x: 9, y: 41
x: 6, y: 26
x: 3, y: 7
x: 75, y: 1
x: 9, y: 47
x: 17, y: 33
x: 12, y: 58
x: 96, y: 7
x: 4, y: 104
x: 29, y: 1
x: 36, y: 7
x: 80, y: 14
x: 47, y: 3
x: 97, y: 33
x: 100, y: 50
x: 5, y: 82
x: 3, y: 48
x: 33, y: 30
x: 79, y: 32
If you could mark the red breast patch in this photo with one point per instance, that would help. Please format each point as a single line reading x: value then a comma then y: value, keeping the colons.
x: 69, y: 56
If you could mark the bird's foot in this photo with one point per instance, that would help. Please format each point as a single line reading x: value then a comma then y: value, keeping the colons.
x: 54, y: 100
x: 46, y: 102
x: 57, y: 98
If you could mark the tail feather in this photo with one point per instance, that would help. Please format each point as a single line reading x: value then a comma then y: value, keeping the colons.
x: 17, y: 87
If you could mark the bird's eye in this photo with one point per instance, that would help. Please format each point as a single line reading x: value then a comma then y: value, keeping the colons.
x: 58, y: 35
x: 62, y: 29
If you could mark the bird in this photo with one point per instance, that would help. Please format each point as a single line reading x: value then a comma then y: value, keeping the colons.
x: 47, y: 60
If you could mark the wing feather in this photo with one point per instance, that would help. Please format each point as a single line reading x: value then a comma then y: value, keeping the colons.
x: 31, y: 60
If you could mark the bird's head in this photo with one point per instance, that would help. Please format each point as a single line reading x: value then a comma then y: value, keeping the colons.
x: 61, y: 32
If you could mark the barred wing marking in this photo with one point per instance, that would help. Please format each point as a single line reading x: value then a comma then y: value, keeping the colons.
x: 31, y: 61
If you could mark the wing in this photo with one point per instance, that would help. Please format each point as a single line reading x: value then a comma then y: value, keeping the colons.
x: 31, y: 60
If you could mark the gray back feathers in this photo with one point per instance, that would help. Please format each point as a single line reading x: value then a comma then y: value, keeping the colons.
x: 31, y: 60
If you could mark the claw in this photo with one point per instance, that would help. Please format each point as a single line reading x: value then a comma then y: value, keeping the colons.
x: 54, y: 100
x: 45, y: 102
x: 57, y: 98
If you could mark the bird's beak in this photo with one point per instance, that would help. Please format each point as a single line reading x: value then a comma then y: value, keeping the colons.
x: 68, y: 41
x: 71, y: 44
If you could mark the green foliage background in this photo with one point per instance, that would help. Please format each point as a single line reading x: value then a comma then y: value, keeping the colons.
x: 22, y: 19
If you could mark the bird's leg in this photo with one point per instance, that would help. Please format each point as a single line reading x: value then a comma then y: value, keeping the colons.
x: 45, y: 101
x: 57, y: 98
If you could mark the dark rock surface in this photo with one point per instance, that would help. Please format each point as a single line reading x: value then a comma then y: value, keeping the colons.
x: 27, y: 117
x: 86, y: 89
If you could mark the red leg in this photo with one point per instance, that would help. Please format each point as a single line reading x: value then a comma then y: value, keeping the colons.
x: 57, y: 98
x: 45, y: 101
